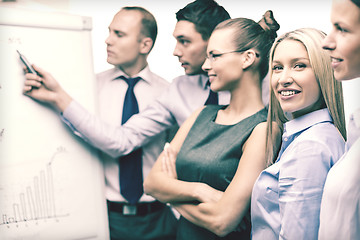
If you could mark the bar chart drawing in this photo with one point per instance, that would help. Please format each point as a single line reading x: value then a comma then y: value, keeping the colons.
x: 37, y: 201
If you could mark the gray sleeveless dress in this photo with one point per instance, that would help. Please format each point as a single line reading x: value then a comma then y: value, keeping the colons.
x: 210, y: 154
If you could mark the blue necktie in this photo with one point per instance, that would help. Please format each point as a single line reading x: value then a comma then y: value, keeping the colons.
x: 212, y: 98
x: 131, y: 179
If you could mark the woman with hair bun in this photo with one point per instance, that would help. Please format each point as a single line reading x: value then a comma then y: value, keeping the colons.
x: 208, y: 170
x: 286, y: 197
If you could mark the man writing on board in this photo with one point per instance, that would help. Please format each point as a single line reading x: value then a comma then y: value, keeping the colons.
x: 195, y: 22
x: 128, y: 87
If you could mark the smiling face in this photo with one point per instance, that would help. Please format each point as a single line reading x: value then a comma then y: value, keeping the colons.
x: 293, y: 80
x: 190, y: 47
x: 224, y: 69
x: 343, y: 41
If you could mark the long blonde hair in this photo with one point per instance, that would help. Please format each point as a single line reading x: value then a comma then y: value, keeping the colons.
x: 330, y: 88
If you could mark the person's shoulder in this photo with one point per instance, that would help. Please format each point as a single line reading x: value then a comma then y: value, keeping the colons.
x: 322, y: 131
x: 262, y: 114
x: 316, y: 126
x: 158, y: 80
x: 189, y: 83
x: 107, y: 74
x: 324, y: 137
x: 190, y: 79
x: 213, y: 107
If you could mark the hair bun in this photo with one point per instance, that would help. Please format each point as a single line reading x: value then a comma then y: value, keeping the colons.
x: 269, y: 24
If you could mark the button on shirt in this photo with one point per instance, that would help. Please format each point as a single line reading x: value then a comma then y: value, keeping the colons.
x: 111, y: 92
x: 353, y: 129
x: 286, y: 197
x: 185, y: 94
x: 340, y: 206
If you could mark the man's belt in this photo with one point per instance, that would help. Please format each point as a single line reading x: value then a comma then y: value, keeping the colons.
x: 140, y: 209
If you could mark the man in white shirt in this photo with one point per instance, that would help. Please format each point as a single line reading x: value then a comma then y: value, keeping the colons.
x: 132, y: 35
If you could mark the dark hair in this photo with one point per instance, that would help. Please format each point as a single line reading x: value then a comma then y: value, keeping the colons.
x: 250, y: 34
x: 357, y: 2
x: 149, y: 25
x: 205, y: 14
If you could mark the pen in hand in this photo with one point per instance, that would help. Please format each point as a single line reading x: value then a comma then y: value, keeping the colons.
x: 28, y: 66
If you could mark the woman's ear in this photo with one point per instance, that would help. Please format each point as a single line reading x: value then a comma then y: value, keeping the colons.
x: 146, y: 45
x: 249, y: 58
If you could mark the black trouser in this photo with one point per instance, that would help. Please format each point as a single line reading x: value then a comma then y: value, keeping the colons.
x: 160, y: 225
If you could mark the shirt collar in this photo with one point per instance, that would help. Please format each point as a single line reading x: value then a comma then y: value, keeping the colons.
x: 145, y: 74
x: 204, y: 79
x: 201, y: 79
x: 301, y: 123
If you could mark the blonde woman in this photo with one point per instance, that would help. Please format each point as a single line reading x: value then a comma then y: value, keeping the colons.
x: 286, y: 197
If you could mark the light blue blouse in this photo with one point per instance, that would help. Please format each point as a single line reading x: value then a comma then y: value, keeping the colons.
x: 286, y: 197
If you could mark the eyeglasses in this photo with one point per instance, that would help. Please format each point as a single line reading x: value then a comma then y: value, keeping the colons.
x: 213, y: 56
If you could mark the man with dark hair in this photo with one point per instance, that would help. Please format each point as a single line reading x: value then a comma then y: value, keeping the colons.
x: 195, y: 23
x: 202, y: 14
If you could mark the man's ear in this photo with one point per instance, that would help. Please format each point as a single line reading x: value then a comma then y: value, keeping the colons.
x: 249, y: 58
x: 146, y: 45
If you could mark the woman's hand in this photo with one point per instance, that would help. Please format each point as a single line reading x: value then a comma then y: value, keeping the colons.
x: 207, y: 194
x: 204, y: 193
x: 169, y: 161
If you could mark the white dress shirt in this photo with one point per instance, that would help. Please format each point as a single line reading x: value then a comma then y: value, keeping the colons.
x: 111, y: 93
x: 340, y: 206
